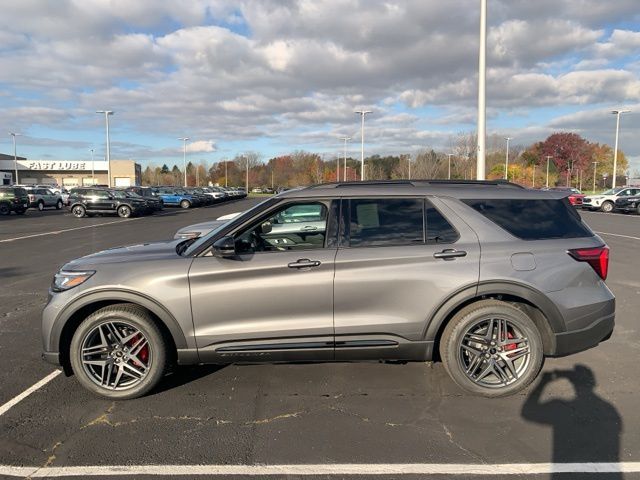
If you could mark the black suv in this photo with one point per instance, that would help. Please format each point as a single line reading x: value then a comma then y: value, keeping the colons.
x: 89, y: 201
x: 628, y: 204
x: 155, y: 202
x: 13, y: 199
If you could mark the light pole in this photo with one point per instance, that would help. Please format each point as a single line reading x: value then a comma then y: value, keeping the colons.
x: 345, y: 140
x: 93, y: 181
x: 247, y: 179
x: 225, y: 173
x: 482, y: 74
x: 548, y: 158
x: 595, y: 167
x: 362, y: 113
x: 106, y: 121
x: 615, y: 150
x: 506, y: 163
x: 533, y: 179
x: 15, y: 155
x: 449, y: 169
x: 184, y: 157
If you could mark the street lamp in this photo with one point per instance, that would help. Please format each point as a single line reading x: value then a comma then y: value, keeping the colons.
x: 362, y: 113
x: 225, y: 173
x: 506, y: 164
x: 15, y: 155
x: 449, y: 170
x: 345, y: 139
x: 615, y: 151
x: 93, y: 181
x: 549, y: 157
x: 106, y: 121
x: 595, y: 167
x: 184, y: 158
x: 482, y: 75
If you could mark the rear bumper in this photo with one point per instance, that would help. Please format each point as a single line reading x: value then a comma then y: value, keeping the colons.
x: 51, y: 357
x: 578, y: 340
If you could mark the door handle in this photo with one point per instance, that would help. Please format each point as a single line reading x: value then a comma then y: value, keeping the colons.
x: 450, y: 254
x: 309, y: 228
x: 304, y: 263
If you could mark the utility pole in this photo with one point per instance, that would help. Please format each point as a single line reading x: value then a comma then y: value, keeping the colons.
x: 449, y: 169
x: 184, y: 158
x: 506, y: 164
x: 548, y: 158
x: 482, y: 75
x: 362, y: 113
x: 345, y: 139
x: 15, y: 155
x: 93, y: 181
x: 108, y: 141
x: 615, y: 150
x: 595, y: 167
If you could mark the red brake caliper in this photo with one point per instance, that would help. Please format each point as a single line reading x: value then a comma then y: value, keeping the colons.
x: 511, y: 346
x: 143, y: 354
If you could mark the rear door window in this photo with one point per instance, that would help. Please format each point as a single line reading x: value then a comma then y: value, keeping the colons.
x: 533, y: 219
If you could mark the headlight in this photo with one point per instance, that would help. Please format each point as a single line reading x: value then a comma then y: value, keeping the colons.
x: 66, y: 280
x: 187, y: 235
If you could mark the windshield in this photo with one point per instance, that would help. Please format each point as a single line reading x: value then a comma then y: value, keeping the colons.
x: 118, y: 194
x: 195, y: 246
x: 611, y: 191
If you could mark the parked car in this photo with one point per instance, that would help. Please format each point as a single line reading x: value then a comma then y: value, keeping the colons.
x: 156, y: 204
x: 42, y: 198
x: 216, y: 194
x: 256, y: 190
x: 87, y: 201
x: 13, y: 199
x: 606, y: 201
x: 575, y: 196
x: 175, y: 198
x: 204, y: 228
x: 198, y: 193
x: 387, y: 271
x: 628, y: 204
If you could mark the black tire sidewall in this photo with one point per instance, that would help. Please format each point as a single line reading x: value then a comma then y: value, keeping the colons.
x: 40, y: 206
x: 126, y: 210
x: 475, y: 312
x: 141, y: 320
x: 5, y: 209
x: 58, y: 204
x: 78, y: 207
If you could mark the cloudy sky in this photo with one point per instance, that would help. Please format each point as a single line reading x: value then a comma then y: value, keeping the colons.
x: 278, y: 75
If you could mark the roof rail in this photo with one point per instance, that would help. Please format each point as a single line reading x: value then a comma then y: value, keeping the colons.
x: 415, y: 183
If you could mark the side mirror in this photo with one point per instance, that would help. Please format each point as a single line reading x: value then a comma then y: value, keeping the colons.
x: 266, y: 228
x: 224, y: 247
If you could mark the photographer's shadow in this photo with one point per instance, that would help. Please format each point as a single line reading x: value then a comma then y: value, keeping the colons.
x: 586, y: 428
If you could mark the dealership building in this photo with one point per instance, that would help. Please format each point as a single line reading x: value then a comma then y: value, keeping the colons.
x: 69, y: 173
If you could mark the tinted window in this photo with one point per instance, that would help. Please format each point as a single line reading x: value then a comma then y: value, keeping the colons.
x: 439, y: 230
x: 380, y: 222
x: 533, y: 219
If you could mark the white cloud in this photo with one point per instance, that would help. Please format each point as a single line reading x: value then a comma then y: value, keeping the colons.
x: 201, y: 146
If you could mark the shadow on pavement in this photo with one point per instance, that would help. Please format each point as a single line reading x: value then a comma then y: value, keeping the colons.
x: 183, y: 375
x: 586, y: 428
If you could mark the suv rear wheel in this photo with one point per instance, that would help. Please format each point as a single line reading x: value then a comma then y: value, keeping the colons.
x: 118, y: 352
x: 124, y: 211
x: 5, y: 209
x: 185, y: 204
x: 41, y: 205
x: 79, y: 211
x: 58, y: 204
x: 492, y: 348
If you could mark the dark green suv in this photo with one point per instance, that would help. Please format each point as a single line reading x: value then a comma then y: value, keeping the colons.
x: 13, y: 199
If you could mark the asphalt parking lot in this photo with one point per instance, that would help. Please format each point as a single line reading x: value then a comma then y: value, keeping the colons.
x: 327, y: 420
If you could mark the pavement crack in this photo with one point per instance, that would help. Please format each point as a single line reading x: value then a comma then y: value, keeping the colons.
x: 272, y: 419
x: 102, y: 419
x: 452, y: 441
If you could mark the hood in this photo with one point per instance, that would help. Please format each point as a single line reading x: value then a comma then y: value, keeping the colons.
x: 133, y: 253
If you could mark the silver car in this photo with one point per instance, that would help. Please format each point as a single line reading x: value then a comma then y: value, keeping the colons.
x: 486, y: 276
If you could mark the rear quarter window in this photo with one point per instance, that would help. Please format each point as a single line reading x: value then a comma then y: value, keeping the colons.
x: 533, y: 219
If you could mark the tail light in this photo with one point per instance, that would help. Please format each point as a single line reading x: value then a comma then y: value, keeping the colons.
x: 597, y: 257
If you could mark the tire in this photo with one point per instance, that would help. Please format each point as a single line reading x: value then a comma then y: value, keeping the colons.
x: 124, y: 211
x: 456, y: 346
x: 40, y: 205
x: 638, y: 209
x: 161, y: 205
x: 127, y: 319
x: 59, y: 205
x: 607, y: 206
x: 78, y: 211
x: 4, y: 209
x: 185, y: 204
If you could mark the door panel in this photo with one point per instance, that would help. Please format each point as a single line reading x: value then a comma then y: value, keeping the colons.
x: 388, y: 293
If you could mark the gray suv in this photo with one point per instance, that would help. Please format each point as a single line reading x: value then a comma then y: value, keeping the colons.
x: 487, y: 277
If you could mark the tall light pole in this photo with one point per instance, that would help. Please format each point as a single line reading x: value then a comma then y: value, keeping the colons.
x: 15, y: 154
x: 184, y: 158
x: 93, y: 181
x: 106, y: 121
x: 548, y: 158
x: 225, y: 172
x: 449, y: 169
x: 506, y: 163
x: 615, y: 150
x: 533, y: 177
x: 345, y: 140
x: 362, y: 113
x: 247, y: 179
x: 595, y: 168
x: 482, y: 75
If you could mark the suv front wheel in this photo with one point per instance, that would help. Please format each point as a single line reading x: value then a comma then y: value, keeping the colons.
x: 118, y: 352
x: 491, y: 348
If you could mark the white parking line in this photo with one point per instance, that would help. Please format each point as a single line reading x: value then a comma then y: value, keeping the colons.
x: 618, y: 235
x: 4, y: 408
x: 325, y: 469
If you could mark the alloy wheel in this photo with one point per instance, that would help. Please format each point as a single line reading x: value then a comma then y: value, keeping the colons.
x: 494, y: 353
x: 116, y: 355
